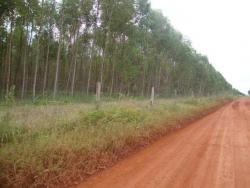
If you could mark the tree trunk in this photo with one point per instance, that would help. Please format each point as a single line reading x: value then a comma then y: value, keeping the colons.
x: 58, y: 58
x: 9, y: 59
x: 89, y: 77
x: 92, y: 49
x: 57, y: 69
x: 37, y: 54
x: 73, y: 77
x: 46, y: 69
x: 75, y: 64
x: 36, y: 69
x: 69, y: 77
x: 20, y: 55
x: 102, y: 67
x: 143, y: 81
x: 159, y: 80
x: 112, y: 80
x: 24, y: 64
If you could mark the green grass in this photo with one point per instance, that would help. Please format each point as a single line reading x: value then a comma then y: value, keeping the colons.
x: 48, y: 145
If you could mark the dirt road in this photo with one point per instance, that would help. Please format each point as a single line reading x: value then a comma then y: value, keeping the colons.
x: 212, y: 152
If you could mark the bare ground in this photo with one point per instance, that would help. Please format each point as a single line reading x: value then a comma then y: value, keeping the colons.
x: 211, y: 152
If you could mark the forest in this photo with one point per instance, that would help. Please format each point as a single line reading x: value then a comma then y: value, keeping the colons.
x: 52, y: 47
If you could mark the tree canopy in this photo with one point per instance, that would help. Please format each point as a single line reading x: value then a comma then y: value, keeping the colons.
x: 67, y: 46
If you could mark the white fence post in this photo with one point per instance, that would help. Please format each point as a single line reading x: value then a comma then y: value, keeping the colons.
x: 152, y: 96
x: 98, y: 95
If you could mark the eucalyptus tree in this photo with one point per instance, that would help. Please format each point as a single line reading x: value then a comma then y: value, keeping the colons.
x: 7, y: 20
x: 69, y: 45
x: 60, y: 27
x: 48, y: 29
x: 26, y: 12
x: 81, y: 20
x: 39, y: 24
x: 92, y: 36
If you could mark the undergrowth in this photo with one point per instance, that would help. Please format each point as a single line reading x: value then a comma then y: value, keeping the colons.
x: 55, y: 145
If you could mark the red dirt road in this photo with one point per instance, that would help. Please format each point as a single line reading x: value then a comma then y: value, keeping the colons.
x: 212, y: 152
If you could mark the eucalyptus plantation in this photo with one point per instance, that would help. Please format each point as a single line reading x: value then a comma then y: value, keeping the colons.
x: 52, y: 47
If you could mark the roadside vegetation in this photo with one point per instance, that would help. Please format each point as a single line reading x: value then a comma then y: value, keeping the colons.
x: 56, y: 54
x: 57, y: 144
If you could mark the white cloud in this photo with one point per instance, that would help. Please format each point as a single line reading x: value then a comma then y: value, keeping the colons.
x: 218, y: 29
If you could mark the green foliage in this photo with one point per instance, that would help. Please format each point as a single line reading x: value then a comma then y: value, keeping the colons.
x: 66, y: 138
x: 124, y: 43
x: 114, y: 115
x: 92, y: 118
x: 173, y: 107
x: 8, y: 132
x: 192, y: 101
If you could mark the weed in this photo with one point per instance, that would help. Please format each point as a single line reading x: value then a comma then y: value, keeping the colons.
x: 9, y: 133
x: 43, y: 142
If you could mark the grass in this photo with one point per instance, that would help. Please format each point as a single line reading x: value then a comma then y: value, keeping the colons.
x: 55, y: 144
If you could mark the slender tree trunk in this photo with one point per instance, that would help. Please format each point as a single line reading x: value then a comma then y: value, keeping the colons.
x: 103, y: 59
x: 112, y: 80
x: 19, y: 60
x: 29, y: 54
x: 143, y: 81
x: 144, y: 54
x: 89, y: 76
x: 36, y: 68
x: 82, y: 72
x: 92, y: 49
x: 73, y: 77
x: 159, y: 80
x: 71, y: 62
x: 24, y: 64
x: 102, y: 67
x: 2, y: 69
x: 58, y: 59
x: 113, y: 66
x: 57, y: 69
x: 37, y: 54
x: 75, y: 64
x: 46, y: 69
x: 90, y: 63
x: 9, y: 59
x: 200, y: 90
x: 128, y: 91
x: 68, y: 78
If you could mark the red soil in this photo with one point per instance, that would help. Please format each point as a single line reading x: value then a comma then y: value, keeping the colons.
x: 211, y: 152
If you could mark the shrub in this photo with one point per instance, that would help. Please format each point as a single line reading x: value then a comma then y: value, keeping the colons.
x: 122, y: 115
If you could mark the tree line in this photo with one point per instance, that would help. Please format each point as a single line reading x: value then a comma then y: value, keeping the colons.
x: 48, y: 47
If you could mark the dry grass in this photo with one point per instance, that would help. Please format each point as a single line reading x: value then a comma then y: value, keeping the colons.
x: 58, y: 144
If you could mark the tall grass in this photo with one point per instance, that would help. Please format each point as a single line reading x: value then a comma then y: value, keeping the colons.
x: 54, y: 144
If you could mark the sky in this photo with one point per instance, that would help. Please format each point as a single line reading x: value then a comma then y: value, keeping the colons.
x: 219, y: 29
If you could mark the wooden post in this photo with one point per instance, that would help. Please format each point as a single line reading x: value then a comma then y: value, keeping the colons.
x: 152, y: 96
x: 98, y: 94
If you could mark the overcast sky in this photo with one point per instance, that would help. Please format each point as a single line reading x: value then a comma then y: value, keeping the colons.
x: 219, y: 29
